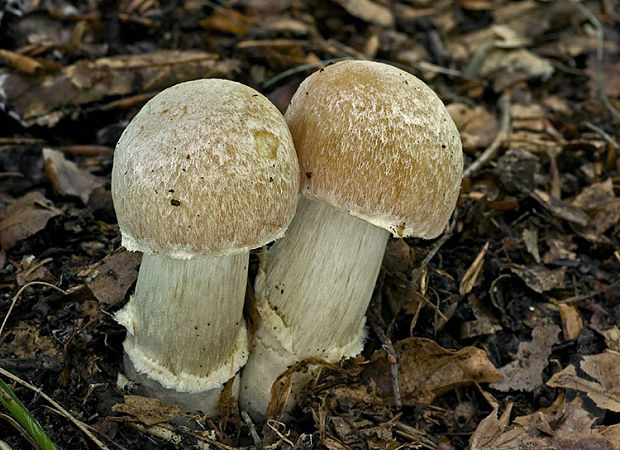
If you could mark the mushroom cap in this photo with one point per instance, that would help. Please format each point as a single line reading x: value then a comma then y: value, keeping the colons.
x: 206, y: 167
x: 377, y: 142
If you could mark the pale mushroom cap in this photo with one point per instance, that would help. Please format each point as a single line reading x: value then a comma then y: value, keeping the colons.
x: 377, y: 142
x: 206, y: 167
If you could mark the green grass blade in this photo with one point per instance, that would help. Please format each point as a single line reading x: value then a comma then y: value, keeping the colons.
x: 21, y: 414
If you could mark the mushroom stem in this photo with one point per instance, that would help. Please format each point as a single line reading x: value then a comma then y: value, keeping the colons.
x: 320, y: 314
x: 186, y: 336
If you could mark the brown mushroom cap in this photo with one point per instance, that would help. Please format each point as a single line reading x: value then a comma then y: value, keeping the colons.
x: 377, y: 142
x: 206, y: 167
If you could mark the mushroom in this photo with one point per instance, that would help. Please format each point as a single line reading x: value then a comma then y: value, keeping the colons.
x: 204, y: 172
x: 378, y: 154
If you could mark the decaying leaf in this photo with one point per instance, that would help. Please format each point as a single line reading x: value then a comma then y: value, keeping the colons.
x: 427, y: 370
x: 510, y: 66
x: 490, y: 428
x: 538, y: 278
x: 25, y: 217
x: 67, y: 178
x: 110, y: 280
x: 561, y: 209
x: 398, y: 256
x: 561, y: 248
x: 470, y: 277
x: 605, y: 392
x: 149, y: 411
x: 595, y: 195
x: 40, y: 100
x: 600, y: 201
x: 560, y: 426
x: 31, y: 269
x: 368, y: 11
x: 612, y: 338
x: 572, y: 323
x: 26, y: 340
x: 476, y: 125
x: 485, y: 323
x: 515, y: 171
x: 530, y: 239
x: 612, y: 434
x: 525, y: 373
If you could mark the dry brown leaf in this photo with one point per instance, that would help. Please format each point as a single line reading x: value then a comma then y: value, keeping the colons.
x: 227, y: 20
x: 490, y: 428
x: 485, y: 323
x: 572, y: 323
x: 427, y: 370
x: 507, y: 67
x: 530, y: 239
x: 595, y: 195
x: 560, y: 249
x: 612, y: 338
x: 612, y: 434
x: 368, y: 11
x: 110, y: 280
x: 525, y: 373
x: 398, y: 256
x: 149, y: 411
x: 605, y: 216
x: 476, y: 125
x: 538, y: 278
x: 568, y: 379
x: 25, y: 340
x: 515, y: 171
x: 20, y: 62
x: 25, y: 217
x: 604, y: 369
x: 30, y: 270
x: 471, y: 276
x: 605, y: 392
x: 67, y: 178
x: 561, y: 209
x: 43, y: 100
x: 560, y: 426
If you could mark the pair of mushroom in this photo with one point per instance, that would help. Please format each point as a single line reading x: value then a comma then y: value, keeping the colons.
x: 207, y: 171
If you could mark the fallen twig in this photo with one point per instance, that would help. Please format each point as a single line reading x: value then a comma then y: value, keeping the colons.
x: 255, y: 437
x: 16, y: 297
x: 63, y: 411
x: 502, y: 135
x: 373, y: 319
x: 600, y: 42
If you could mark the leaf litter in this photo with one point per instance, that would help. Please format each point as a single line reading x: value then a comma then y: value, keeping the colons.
x: 531, y: 250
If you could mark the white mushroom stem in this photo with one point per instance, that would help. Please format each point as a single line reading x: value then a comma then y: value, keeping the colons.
x: 186, y: 336
x: 312, y: 291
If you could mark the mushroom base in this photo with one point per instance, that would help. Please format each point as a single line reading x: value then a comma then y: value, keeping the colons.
x: 312, y: 292
x: 186, y: 335
x: 205, y: 401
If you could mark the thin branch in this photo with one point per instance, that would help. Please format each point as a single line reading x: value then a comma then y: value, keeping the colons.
x: 14, y: 300
x: 609, y: 139
x: 295, y: 70
x: 373, y: 319
x: 447, y: 234
x: 502, y: 135
x: 63, y: 411
x: 255, y: 437
x: 600, y: 43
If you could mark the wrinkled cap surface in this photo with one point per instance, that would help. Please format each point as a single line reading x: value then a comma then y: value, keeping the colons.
x: 206, y: 167
x: 377, y: 142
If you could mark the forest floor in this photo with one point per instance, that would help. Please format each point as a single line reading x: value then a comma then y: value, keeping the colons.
x: 503, y: 332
